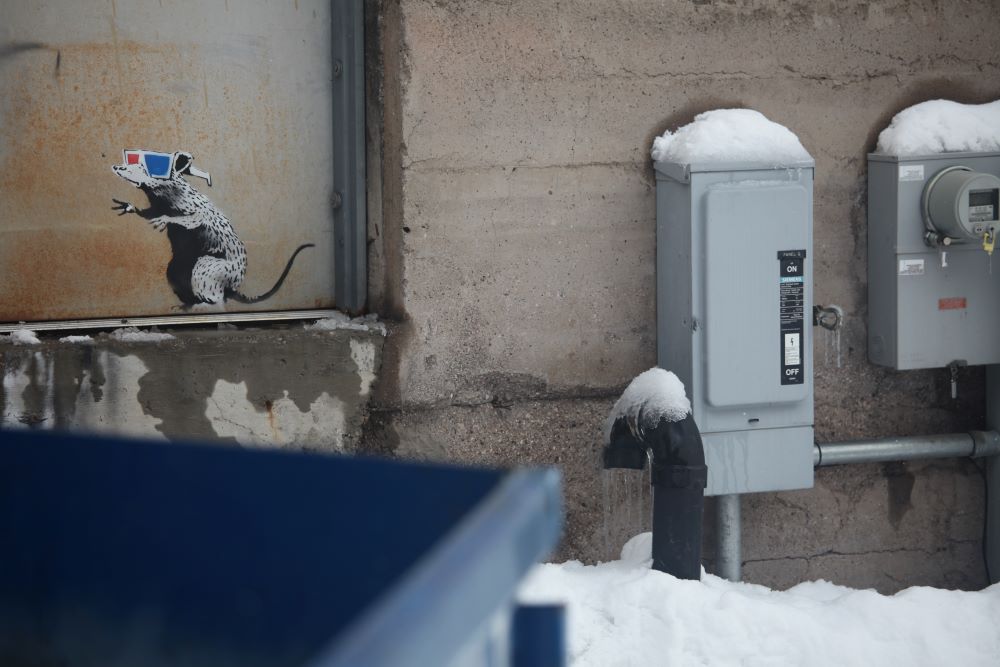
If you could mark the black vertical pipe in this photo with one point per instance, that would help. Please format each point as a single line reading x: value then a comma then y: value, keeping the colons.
x: 678, y: 502
x: 679, y: 477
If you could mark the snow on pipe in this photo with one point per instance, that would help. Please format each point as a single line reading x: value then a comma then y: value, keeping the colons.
x: 653, y: 420
x: 975, y: 444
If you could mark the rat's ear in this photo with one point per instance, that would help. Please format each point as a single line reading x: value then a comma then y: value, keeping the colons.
x: 182, y: 162
x: 182, y: 165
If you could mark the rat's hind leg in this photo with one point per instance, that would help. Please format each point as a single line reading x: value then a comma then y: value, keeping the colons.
x: 209, y: 279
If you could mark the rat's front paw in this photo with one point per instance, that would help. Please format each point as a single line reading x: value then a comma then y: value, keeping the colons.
x: 122, y: 206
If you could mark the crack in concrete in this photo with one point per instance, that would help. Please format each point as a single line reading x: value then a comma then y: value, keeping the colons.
x: 452, y: 168
x: 496, y: 401
x: 788, y: 504
x: 222, y: 417
x: 870, y: 552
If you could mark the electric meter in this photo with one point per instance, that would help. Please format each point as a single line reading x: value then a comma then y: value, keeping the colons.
x: 933, y: 293
x: 961, y: 205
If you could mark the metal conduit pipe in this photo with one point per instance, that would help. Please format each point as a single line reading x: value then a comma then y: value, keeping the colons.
x: 974, y: 444
x: 729, y: 550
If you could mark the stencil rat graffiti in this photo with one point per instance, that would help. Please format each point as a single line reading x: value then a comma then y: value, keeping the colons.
x: 209, y: 260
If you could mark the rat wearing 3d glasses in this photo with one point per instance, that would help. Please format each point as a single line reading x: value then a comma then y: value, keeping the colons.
x: 209, y: 261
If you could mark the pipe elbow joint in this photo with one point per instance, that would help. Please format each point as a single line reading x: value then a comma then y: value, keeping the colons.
x: 677, y: 443
x: 670, y: 444
x: 624, y: 449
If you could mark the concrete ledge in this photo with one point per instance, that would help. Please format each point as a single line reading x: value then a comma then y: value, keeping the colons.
x: 274, y: 386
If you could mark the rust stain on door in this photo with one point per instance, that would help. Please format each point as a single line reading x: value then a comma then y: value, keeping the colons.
x: 62, y: 254
x: 68, y: 110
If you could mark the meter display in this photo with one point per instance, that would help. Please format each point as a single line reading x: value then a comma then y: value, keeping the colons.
x: 983, y: 205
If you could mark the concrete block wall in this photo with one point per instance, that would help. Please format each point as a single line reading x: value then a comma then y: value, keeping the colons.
x: 512, y: 241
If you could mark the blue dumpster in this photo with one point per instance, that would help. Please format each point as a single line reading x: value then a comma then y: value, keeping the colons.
x: 117, y: 552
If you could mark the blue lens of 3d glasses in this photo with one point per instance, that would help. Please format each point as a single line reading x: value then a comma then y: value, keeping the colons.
x: 157, y: 164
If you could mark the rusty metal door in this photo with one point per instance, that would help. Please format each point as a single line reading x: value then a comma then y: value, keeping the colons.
x: 165, y: 157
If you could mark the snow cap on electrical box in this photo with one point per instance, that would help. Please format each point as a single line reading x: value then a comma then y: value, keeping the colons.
x: 730, y: 135
x: 942, y: 126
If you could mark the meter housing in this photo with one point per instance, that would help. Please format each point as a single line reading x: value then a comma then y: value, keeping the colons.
x: 933, y: 289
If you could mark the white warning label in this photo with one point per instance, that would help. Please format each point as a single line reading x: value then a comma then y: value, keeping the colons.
x: 911, y: 172
x: 793, y: 349
x: 791, y: 314
x: 911, y: 267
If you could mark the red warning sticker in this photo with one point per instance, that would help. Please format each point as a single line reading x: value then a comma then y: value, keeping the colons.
x: 952, y: 303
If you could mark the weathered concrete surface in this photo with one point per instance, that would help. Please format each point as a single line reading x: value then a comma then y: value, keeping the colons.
x: 875, y: 526
x: 518, y: 236
x: 885, y: 527
x: 275, y: 386
x: 524, y: 433
x: 527, y: 202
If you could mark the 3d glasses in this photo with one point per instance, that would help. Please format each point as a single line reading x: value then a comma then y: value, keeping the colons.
x: 161, y: 165
x: 157, y: 165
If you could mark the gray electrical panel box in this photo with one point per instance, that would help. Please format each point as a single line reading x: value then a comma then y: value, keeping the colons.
x: 933, y: 293
x: 734, y: 315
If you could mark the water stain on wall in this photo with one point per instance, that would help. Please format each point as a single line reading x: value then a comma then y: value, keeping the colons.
x: 900, y: 481
x: 63, y: 388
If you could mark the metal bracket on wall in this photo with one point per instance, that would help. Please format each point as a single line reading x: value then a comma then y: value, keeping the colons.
x: 348, y: 197
x: 829, y: 317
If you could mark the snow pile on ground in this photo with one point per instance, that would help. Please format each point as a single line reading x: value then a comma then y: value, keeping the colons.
x: 942, y: 126
x: 651, y: 396
x: 623, y: 613
x: 133, y: 335
x: 342, y: 321
x: 730, y: 135
x: 21, y: 337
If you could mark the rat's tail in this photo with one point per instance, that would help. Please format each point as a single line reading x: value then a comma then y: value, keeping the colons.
x: 241, y: 298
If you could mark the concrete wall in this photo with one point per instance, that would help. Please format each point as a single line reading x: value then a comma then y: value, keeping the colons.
x: 511, y: 229
x: 513, y: 241
x: 274, y: 386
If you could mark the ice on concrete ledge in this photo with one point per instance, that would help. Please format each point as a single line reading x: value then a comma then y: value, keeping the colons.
x: 624, y: 613
x: 341, y: 321
x: 22, y: 337
x: 730, y: 135
x: 942, y: 126
x: 134, y: 335
x: 653, y: 395
x: 78, y: 340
